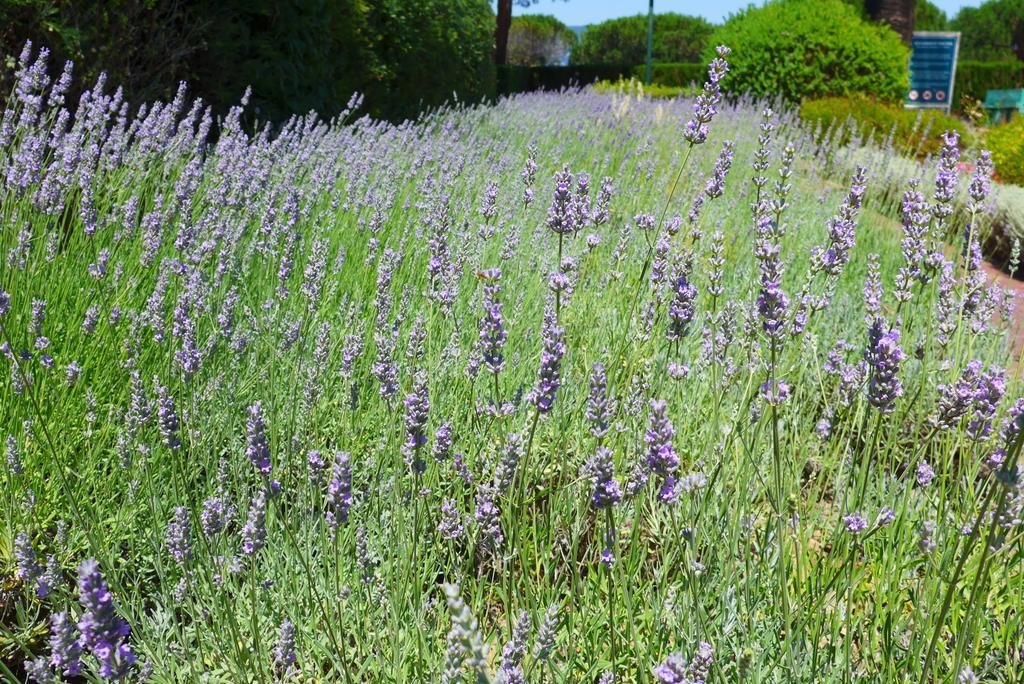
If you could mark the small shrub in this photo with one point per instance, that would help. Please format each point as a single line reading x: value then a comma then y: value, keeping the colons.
x: 1007, y: 144
x: 635, y: 86
x: 799, y: 49
x: 914, y: 132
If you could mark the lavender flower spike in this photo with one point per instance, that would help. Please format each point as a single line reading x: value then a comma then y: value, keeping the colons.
x: 884, y: 356
x: 103, y: 631
x: 258, y: 449
x: 549, y: 378
x: 706, y: 105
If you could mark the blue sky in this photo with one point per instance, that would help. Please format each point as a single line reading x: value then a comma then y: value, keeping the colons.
x: 582, y: 12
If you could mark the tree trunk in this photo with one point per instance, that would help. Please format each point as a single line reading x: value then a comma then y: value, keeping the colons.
x: 899, y: 14
x: 1018, y: 38
x: 501, y: 32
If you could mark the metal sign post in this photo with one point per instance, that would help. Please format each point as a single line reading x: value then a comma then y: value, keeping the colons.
x: 932, y: 70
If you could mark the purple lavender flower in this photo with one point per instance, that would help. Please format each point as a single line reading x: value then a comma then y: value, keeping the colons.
x: 492, y: 325
x: 339, y: 491
x: 854, y: 523
x: 488, y: 517
x: 549, y: 374
x: 600, y: 469
x: 254, y: 533
x: 706, y: 105
x: 885, y: 517
x: 511, y: 669
x: 955, y: 400
x: 65, y: 647
x: 27, y: 567
x: 214, y: 516
x: 451, y: 526
x: 417, y: 411
x: 884, y: 356
x: 104, y: 633
x: 442, y: 442
x: 599, y: 404
x: 258, y: 449
x: 167, y: 417
x: 680, y: 308
x: 662, y: 458
x: 179, y: 535
x: 284, y: 650
x: 562, y: 218
x: 5, y: 303
x: 774, y: 392
x: 675, y: 669
x: 841, y: 229
x: 925, y: 474
x: 990, y: 391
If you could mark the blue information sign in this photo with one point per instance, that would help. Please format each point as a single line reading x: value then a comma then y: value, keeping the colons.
x: 932, y: 69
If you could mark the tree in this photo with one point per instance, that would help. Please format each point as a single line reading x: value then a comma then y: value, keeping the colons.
x: 677, y: 38
x: 899, y: 14
x: 538, y: 40
x: 503, y: 26
x: 928, y: 17
x: 992, y: 32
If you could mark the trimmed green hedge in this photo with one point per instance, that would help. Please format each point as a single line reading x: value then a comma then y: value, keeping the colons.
x: 518, y: 79
x: 882, y: 118
x: 675, y: 74
x: 974, y: 79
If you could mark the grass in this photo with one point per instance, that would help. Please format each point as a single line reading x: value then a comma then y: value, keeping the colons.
x: 323, y: 236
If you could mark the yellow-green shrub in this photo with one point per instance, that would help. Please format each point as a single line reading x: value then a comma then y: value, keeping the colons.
x: 915, y: 132
x: 1007, y: 144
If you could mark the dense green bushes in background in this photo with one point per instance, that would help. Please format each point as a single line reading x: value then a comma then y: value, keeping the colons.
x: 811, y: 48
x: 914, y: 132
x: 974, y: 79
x: 992, y: 31
x: 677, y: 38
x: 676, y: 74
x: 427, y: 50
x: 1007, y: 144
x: 518, y: 79
x: 298, y: 55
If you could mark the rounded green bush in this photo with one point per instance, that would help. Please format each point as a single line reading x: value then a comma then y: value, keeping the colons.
x: 1007, y: 144
x: 799, y: 49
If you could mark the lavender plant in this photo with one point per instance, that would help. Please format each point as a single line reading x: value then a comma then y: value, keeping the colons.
x: 747, y: 408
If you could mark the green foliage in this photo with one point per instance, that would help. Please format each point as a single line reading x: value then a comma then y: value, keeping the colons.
x: 1007, y: 145
x: 520, y: 79
x: 146, y: 46
x: 993, y: 31
x: 298, y: 55
x: 974, y: 79
x: 635, y: 86
x: 914, y: 132
x: 677, y: 74
x: 929, y: 17
x: 677, y: 38
x: 811, y: 48
x: 539, y: 40
x: 427, y: 50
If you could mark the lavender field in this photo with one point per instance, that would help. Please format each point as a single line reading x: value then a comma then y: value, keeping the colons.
x: 574, y: 387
